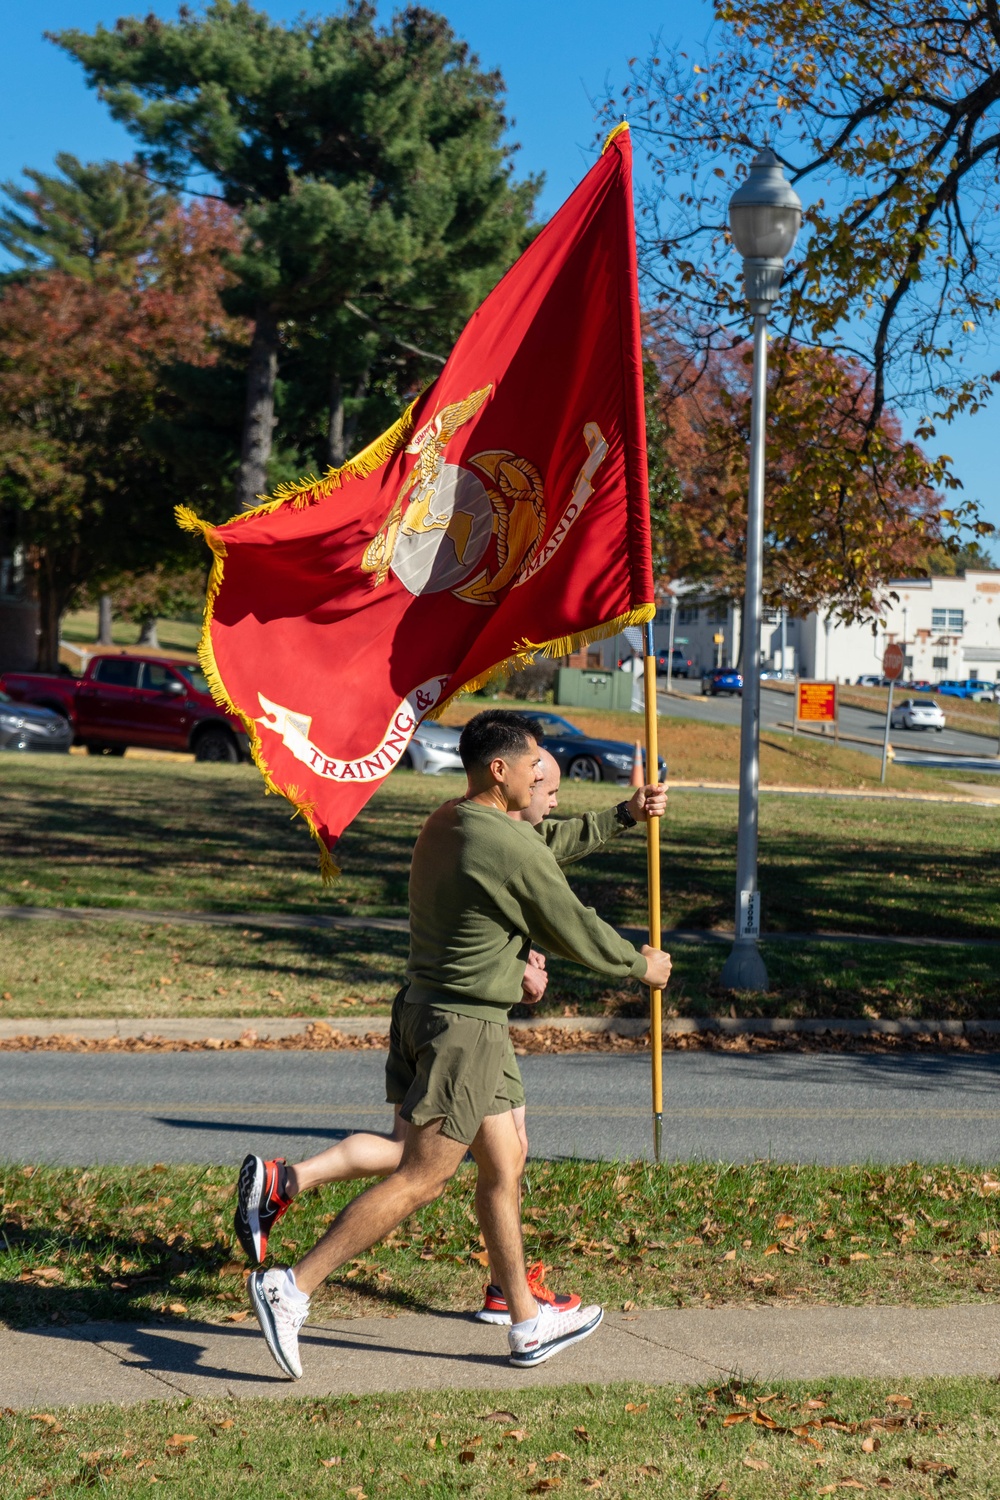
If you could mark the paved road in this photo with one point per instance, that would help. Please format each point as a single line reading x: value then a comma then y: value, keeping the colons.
x: 776, y: 708
x: 100, y: 1108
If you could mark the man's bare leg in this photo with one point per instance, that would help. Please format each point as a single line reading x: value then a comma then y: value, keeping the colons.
x: 360, y: 1155
x: 430, y: 1160
x: 518, y: 1117
x: 498, y: 1156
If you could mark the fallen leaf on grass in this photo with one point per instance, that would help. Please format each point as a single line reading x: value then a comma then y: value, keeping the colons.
x: 882, y: 1483
x: 773, y: 1250
x: 628, y: 1306
x: 650, y: 1470
x: 729, y: 1255
x: 237, y: 1317
x: 517, y: 1433
x: 813, y: 1404
x: 225, y: 1423
x: 498, y: 1416
x: 179, y: 1442
x: 931, y: 1466
x: 331, y: 1463
x: 899, y: 1401
x: 784, y: 1221
x: 636, y: 1405
x: 859, y: 1255
x: 357, y: 1492
x: 735, y: 1417
x: 592, y: 1483
x: 755, y: 1463
x: 846, y: 1482
x: 552, y: 1483
x: 176, y: 1307
x: 555, y: 1457
x: 48, y: 1419
x: 871, y: 1445
x: 467, y: 1456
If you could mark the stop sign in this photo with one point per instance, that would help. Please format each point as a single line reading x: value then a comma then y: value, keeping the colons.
x: 892, y: 662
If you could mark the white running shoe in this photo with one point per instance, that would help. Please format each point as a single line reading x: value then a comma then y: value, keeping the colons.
x: 552, y: 1332
x: 280, y: 1317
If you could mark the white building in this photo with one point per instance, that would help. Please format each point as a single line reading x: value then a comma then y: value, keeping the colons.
x: 949, y: 627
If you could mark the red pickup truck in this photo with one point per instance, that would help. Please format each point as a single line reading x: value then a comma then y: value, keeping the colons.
x: 136, y: 700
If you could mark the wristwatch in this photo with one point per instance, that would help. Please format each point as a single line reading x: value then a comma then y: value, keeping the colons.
x: 625, y: 818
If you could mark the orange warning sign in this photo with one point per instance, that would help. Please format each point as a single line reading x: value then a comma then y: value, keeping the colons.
x: 817, y: 702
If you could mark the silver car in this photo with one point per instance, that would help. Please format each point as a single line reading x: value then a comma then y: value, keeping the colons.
x: 433, y: 748
x: 23, y: 726
x: 917, y: 713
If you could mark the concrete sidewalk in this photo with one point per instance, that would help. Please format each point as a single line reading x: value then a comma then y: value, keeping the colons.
x: 92, y: 1362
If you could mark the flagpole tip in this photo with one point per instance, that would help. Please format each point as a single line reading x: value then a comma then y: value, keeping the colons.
x: 618, y: 130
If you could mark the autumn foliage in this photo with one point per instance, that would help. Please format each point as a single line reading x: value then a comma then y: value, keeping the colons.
x: 847, y: 504
x: 79, y: 383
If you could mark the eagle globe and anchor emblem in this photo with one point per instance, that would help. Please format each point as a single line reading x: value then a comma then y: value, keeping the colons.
x: 438, y: 532
x: 437, y: 537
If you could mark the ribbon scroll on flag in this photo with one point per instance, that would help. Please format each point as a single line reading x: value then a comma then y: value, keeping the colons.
x: 505, y: 514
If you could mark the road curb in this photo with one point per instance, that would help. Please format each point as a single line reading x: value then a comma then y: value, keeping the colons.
x: 228, y: 1028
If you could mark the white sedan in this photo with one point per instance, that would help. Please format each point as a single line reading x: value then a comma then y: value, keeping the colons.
x: 917, y: 713
x: 433, y: 748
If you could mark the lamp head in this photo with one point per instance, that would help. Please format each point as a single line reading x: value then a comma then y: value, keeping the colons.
x: 765, y: 213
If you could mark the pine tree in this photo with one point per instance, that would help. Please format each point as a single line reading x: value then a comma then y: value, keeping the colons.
x: 367, y: 166
x: 89, y: 218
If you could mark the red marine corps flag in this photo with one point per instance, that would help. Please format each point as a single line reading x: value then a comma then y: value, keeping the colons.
x: 505, y: 514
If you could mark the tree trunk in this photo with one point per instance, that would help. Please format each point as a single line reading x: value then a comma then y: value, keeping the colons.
x: 341, y: 428
x: 258, y: 419
x: 104, y: 620
x: 335, y: 454
x: 50, y: 607
x: 147, y: 632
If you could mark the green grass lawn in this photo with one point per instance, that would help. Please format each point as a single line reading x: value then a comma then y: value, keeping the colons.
x: 126, y: 1242
x: 80, y: 627
x: 910, y: 1438
x: 181, y: 837
x: 128, y: 969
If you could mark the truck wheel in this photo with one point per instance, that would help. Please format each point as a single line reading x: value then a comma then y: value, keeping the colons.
x: 115, y: 750
x: 217, y: 745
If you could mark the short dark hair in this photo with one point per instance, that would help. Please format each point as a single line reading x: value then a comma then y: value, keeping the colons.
x: 496, y: 731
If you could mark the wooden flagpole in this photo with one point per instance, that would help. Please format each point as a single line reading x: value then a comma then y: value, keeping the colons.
x: 653, y: 870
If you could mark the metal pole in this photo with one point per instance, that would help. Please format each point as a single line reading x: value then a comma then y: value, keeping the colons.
x: 670, y: 645
x: 784, y: 639
x: 744, y: 968
x: 653, y: 872
x: 885, y: 742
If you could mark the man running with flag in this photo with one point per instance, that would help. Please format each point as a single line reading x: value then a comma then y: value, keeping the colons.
x: 266, y: 1189
x: 481, y: 887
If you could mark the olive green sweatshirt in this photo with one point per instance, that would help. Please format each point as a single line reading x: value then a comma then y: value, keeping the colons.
x: 571, y: 839
x: 482, y: 886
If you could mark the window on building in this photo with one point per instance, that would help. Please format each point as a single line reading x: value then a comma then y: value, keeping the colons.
x: 908, y: 661
x: 951, y: 620
x: 939, y: 619
x: 687, y: 614
x: 718, y: 613
x: 940, y: 663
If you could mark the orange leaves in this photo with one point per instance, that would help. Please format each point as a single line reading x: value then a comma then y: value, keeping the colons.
x: 634, y: 1406
x: 178, y: 1444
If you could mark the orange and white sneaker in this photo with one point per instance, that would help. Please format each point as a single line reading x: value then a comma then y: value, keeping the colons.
x: 495, y: 1309
x: 259, y: 1204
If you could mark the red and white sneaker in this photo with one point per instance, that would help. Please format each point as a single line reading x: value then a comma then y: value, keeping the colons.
x: 495, y: 1309
x: 259, y: 1204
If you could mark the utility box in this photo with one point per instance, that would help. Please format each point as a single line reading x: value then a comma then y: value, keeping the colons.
x: 578, y: 687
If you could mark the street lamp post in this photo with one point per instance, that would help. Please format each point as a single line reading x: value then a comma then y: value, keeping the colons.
x: 764, y: 218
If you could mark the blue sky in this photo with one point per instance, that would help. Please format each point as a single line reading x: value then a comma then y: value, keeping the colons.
x: 555, y: 55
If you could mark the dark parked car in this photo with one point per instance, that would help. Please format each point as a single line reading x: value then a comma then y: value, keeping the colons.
x: 25, y: 727
x: 583, y: 758
x: 683, y: 665
x: 725, y: 680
